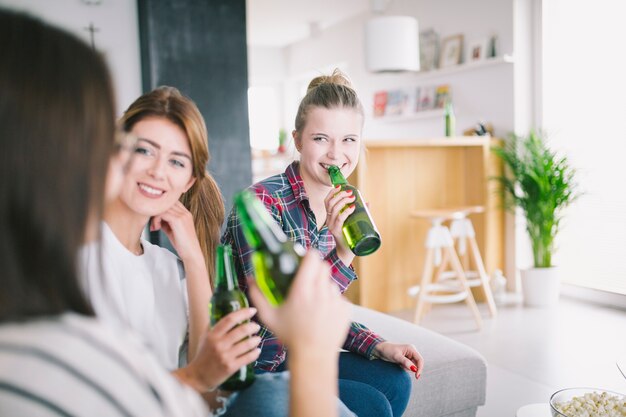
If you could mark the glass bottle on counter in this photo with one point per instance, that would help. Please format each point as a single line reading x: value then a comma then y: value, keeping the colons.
x: 358, y: 229
x: 226, y: 299
x: 449, y: 119
x: 275, y: 259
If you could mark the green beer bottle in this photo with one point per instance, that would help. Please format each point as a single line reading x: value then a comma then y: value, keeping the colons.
x: 359, y: 229
x: 448, y: 112
x: 275, y: 258
x: 226, y: 299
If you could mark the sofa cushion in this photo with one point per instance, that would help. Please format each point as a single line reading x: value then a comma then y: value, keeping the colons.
x: 454, y: 376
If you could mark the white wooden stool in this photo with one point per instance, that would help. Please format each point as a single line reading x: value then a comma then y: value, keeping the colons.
x: 439, y: 251
x: 463, y: 233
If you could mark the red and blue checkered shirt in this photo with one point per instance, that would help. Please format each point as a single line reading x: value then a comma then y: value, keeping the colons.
x: 285, y: 198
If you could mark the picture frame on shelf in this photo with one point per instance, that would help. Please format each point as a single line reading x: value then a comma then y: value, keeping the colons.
x: 426, y: 98
x: 393, y: 103
x: 429, y: 50
x: 397, y: 103
x: 451, y: 50
x: 380, y: 103
x: 442, y: 94
x: 478, y: 50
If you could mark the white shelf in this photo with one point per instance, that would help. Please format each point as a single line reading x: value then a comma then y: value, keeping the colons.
x: 468, y: 66
x: 426, y: 114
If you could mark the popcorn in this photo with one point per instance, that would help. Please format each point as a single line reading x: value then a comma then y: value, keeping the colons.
x: 593, y: 404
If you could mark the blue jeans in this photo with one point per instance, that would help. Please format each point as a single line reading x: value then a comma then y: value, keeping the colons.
x: 373, y: 387
x: 268, y: 397
x: 369, y: 388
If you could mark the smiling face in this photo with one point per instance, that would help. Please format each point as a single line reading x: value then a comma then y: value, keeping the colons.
x: 161, y: 168
x: 329, y: 137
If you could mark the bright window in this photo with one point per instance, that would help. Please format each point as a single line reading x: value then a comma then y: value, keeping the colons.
x: 584, y: 108
x: 263, y: 114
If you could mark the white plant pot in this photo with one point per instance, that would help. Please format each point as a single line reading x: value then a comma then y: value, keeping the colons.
x: 540, y: 286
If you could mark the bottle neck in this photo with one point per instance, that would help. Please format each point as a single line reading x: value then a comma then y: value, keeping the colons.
x: 224, y: 273
x: 260, y: 230
x: 336, y: 177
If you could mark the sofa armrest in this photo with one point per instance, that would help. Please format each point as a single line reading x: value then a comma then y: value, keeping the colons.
x: 454, y: 376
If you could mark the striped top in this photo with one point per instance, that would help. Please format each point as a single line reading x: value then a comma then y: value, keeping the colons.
x: 286, y: 200
x: 73, y: 365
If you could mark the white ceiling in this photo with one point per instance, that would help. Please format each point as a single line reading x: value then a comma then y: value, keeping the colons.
x: 282, y: 22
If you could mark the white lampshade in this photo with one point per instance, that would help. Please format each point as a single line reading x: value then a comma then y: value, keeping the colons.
x: 392, y: 44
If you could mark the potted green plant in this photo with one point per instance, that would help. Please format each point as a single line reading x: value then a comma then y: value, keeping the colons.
x: 541, y: 184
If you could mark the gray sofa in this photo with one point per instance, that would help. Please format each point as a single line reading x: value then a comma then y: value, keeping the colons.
x: 454, y: 378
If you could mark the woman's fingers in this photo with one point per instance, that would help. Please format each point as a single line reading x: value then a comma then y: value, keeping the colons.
x: 231, y: 320
x: 155, y: 224
x: 340, y: 201
x: 341, y: 218
x: 246, y: 358
x: 240, y: 332
x: 332, y: 193
x: 244, y: 346
x: 311, y: 268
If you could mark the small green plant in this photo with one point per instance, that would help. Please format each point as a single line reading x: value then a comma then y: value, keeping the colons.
x: 541, y: 184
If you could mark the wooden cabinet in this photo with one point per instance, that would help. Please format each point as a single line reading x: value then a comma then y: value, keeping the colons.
x: 397, y: 177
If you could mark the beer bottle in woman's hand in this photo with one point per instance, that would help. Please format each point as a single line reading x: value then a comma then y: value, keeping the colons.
x: 359, y: 229
x: 226, y: 299
x: 275, y: 258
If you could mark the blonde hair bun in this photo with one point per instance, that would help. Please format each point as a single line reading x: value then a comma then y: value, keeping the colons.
x: 337, y: 77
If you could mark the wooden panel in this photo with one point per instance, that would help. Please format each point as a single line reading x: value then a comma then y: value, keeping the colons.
x: 406, y: 176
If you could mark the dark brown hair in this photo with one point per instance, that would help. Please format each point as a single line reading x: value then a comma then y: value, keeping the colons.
x: 328, y: 91
x: 204, y: 199
x: 56, y: 133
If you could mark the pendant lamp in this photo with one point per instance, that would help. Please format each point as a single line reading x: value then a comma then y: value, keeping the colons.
x: 392, y: 44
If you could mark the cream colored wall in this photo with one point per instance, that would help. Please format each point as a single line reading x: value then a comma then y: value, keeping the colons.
x: 117, y: 38
x: 485, y: 94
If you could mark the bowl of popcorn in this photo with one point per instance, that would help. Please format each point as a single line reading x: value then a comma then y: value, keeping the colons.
x: 587, y: 402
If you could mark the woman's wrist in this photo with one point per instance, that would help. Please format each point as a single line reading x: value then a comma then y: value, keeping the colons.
x: 192, y: 257
x: 194, y: 262
x: 190, y: 377
x: 312, y: 353
x: 345, y: 255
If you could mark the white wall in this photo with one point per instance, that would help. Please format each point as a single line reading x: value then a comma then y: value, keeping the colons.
x: 118, y: 36
x: 485, y: 94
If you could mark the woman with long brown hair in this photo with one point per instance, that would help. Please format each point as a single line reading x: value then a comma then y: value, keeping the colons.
x: 56, y: 141
x: 164, y: 297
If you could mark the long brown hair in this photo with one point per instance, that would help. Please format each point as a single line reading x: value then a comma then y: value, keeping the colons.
x: 56, y: 133
x: 204, y: 199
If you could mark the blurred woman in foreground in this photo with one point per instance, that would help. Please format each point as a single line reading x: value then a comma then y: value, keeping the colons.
x: 56, y: 358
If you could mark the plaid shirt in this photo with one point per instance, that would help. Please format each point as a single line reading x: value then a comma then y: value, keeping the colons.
x: 285, y: 198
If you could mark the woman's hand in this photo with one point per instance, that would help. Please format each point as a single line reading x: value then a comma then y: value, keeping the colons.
x: 313, y: 323
x: 314, y: 316
x: 225, y: 348
x: 177, y: 224
x: 406, y: 356
x: 336, y: 215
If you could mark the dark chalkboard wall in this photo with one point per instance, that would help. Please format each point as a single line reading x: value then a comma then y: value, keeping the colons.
x: 199, y: 47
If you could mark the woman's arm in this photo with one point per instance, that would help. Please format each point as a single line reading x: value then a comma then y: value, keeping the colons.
x: 313, y: 323
x: 177, y: 223
x: 405, y: 355
x: 223, y: 349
